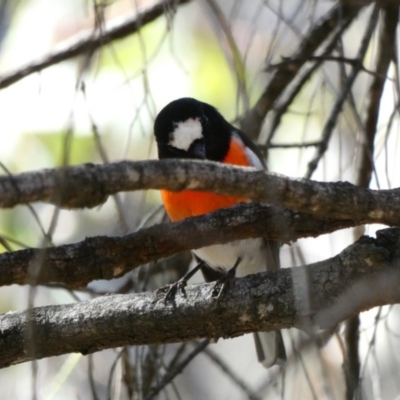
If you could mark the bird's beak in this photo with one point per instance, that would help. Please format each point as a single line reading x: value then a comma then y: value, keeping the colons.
x: 199, y: 149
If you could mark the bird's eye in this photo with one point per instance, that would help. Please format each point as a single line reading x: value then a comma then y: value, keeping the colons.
x: 205, y: 120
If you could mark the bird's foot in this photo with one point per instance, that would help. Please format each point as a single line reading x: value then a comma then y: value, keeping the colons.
x: 178, y: 286
x: 225, y: 282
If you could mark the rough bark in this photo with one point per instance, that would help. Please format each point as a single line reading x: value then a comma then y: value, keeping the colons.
x: 365, y: 275
x: 102, y: 257
x: 89, y: 185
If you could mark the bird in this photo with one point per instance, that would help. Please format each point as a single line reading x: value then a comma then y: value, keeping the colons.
x: 187, y: 128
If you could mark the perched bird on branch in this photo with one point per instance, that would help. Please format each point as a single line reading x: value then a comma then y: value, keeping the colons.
x: 188, y: 128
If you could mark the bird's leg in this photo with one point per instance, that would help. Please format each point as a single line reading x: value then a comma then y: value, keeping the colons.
x: 225, y: 281
x: 179, y: 285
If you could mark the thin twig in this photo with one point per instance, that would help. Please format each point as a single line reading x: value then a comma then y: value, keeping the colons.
x: 92, y: 383
x: 172, y: 373
x: 88, y: 41
x: 386, y: 52
x: 237, y: 59
x: 112, y: 372
x: 291, y: 145
x: 324, y: 58
x: 386, y: 49
x: 237, y: 380
x: 282, y: 105
x: 332, y: 120
x: 351, y: 363
x: 252, y: 121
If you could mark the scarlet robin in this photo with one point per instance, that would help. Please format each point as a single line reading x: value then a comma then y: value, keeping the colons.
x: 189, y: 129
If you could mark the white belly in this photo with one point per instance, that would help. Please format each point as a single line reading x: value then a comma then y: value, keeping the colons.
x: 222, y: 257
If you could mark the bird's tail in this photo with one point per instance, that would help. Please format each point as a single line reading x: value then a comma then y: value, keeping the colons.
x: 270, y: 348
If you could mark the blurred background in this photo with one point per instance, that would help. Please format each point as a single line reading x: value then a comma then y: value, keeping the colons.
x: 100, y: 106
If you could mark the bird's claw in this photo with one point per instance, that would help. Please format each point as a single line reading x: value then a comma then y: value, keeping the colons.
x: 178, y: 286
x: 172, y: 289
x: 225, y: 282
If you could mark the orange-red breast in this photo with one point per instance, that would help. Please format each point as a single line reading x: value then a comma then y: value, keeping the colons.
x: 188, y: 128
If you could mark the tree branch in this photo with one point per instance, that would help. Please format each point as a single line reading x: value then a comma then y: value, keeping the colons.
x: 92, y: 40
x: 103, y: 257
x: 282, y: 104
x: 282, y: 76
x: 347, y: 87
x: 365, y: 275
x: 386, y: 51
x: 89, y: 185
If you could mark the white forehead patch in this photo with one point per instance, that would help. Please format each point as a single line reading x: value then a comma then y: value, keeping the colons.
x: 185, y: 133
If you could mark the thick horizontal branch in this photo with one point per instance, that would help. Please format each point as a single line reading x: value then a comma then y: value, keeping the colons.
x: 92, y: 40
x: 103, y: 257
x: 89, y: 185
x: 320, y: 295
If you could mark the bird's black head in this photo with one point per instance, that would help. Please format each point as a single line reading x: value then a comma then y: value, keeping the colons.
x: 188, y: 128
